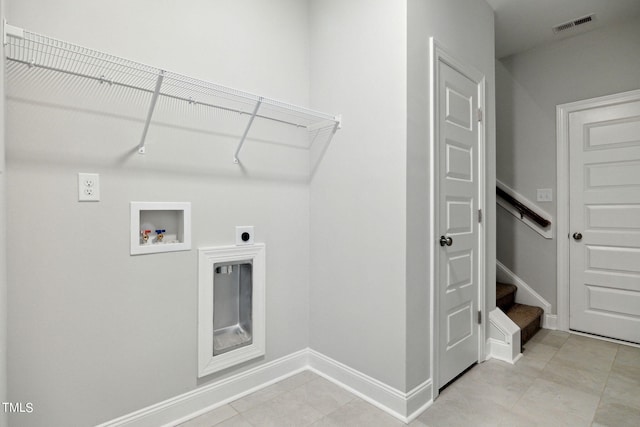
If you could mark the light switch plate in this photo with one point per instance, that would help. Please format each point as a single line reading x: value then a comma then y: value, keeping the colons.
x: 545, y: 195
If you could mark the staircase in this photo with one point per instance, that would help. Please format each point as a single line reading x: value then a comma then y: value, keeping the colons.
x: 527, y: 317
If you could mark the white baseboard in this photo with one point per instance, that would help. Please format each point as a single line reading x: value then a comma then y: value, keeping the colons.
x: 203, y: 399
x: 526, y: 295
x: 550, y: 321
x: 403, y: 406
x: 502, y: 351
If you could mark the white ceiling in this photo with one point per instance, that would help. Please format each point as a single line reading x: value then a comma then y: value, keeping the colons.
x: 524, y: 24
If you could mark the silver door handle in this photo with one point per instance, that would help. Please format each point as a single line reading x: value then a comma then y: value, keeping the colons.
x: 577, y: 236
x: 446, y: 241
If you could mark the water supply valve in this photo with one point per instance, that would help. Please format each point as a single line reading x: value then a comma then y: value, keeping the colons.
x: 160, y: 235
x: 145, y: 236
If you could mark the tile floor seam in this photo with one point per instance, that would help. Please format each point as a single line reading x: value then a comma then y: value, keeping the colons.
x: 593, y: 419
x: 601, y: 393
x: 531, y: 385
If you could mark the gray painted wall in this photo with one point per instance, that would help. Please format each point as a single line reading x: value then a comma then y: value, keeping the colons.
x: 371, y: 191
x: 94, y: 332
x: 529, y: 86
x: 358, y: 279
x: 90, y: 324
x: 471, y: 40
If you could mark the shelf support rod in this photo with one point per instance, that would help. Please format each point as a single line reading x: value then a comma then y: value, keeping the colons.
x: 246, y: 131
x: 152, y: 107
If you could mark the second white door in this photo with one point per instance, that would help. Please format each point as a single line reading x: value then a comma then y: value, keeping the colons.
x: 604, y: 166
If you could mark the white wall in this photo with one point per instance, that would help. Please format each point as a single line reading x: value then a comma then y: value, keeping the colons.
x: 465, y: 29
x: 96, y: 333
x: 358, y: 203
x: 529, y: 86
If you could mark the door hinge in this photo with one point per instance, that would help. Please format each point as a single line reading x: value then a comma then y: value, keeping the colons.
x: 479, y: 317
x: 479, y: 215
x: 479, y: 114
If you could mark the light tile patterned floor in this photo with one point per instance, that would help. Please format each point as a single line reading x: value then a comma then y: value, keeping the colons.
x: 562, y: 380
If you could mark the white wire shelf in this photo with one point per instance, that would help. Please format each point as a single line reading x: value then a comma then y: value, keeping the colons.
x: 36, y: 50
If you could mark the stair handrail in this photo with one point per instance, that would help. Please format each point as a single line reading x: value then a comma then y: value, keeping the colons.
x: 522, y: 208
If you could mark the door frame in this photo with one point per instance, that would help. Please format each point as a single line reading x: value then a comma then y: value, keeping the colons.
x: 563, y: 193
x: 439, y: 54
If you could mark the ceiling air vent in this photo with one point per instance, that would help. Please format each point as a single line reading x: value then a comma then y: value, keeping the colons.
x: 574, y: 23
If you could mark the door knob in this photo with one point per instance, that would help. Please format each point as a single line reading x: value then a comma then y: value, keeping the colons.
x: 577, y: 236
x: 446, y: 241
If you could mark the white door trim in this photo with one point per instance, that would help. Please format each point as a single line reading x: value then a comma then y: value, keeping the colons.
x: 439, y: 54
x: 562, y: 138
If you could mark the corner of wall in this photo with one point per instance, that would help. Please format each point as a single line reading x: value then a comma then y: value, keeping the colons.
x: 418, y: 221
x: 371, y: 238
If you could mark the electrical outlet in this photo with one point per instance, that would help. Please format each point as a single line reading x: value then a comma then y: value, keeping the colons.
x: 545, y: 195
x: 88, y: 187
x: 244, y: 235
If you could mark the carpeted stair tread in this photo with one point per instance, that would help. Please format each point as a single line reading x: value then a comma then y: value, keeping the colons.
x: 505, y: 296
x: 528, y: 318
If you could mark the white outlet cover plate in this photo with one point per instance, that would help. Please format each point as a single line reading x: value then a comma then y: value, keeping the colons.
x: 545, y: 195
x: 88, y: 187
x: 240, y: 229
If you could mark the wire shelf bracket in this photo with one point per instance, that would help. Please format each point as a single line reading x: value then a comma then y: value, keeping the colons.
x: 11, y: 31
x: 40, y: 51
x: 246, y: 131
x: 152, y: 106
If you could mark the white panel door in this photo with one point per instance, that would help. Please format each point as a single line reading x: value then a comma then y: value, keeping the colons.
x: 604, y: 251
x: 458, y: 142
